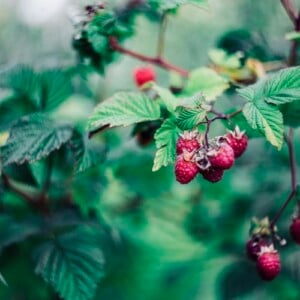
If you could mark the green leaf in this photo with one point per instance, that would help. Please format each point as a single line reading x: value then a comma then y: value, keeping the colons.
x: 169, y: 100
x: 13, y: 231
x: 124, y: 109
x: 2, y: 279
x: 207, y: 81
x: 173, y: 4
x: 88, y: 153
x: 72, y: 264
x: 34, y: 137
x: 280, y: 88
x: 56, y: 88
x: 221, y: 58
x: 294, y: 35
x: 267, y: 119
x: 291, y: 113
x: 165, y: 139
x: 189, y: 118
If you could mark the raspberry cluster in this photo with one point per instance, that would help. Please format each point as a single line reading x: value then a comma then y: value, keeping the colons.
x: 195, y: 156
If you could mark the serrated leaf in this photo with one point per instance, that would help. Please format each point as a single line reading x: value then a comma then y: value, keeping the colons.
x: 169, y: 100
x: 267, y: 119
x: 56, y: 88
x: 188, y: 119
x: 280, y: 88
x: 165, y: 139
x: 124, y: 109
x: 72, y: 264
x: 45, y: 90
x: 34, y: 137
x: 87, y: 152
x: 206, y: 81
x: 221, y: 58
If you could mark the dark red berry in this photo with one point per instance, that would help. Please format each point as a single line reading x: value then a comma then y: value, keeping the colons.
x: 185, y: 170
x: 295, y: 230
x: 268, y: 263
x: 143, y: 75
x: 187, y: 142
x: 253, y: 247
x: 221, y: 158
x: 213, y: 175
x: 238, y: 141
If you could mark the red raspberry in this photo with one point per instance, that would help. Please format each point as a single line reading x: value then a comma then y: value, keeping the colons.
x: 253, y: 247
x: 185, y: 170
x: 221, y: 158
x: 268, y: 263
x: 143, y: 75
x: 188, y: 141
x: 295, y: 230
x: 212, y: 174
x: 238, y: 141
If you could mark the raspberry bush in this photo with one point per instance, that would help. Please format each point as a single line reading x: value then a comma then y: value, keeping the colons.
x: 129, y: 175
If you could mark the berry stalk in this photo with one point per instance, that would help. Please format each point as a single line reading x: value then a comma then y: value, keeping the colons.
x: 158, y: 61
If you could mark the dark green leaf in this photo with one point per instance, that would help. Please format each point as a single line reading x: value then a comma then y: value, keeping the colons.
x: 280, y: 88
x: 124, y: 109
x: 165, y: 139
x: 188, y: 119
x: 32, y: 138
x: 267, y: 119
x: 172, y: 4
x: 73, y: 264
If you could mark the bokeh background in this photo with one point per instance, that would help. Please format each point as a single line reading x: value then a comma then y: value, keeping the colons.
x: 163, y: 240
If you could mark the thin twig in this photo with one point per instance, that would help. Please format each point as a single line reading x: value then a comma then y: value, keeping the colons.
x: 289, y: 141
x: 290, y: 8
x: 161, y: 35
x: 158, y: 61
x: 11, y: 186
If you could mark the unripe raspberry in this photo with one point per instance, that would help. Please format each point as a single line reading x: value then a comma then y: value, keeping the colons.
x: 143, y: 75
x: 189, y: 142
x: 253, y: 247
x: 185, y: 170
x: 221, y: 158
x: 295, y: 230
x: 268, y: 263
x: 238, y: 141
x: 213, y: 175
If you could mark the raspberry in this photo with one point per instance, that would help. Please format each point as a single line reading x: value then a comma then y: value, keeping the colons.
x: 143, y: 75
x: 295, y: 230
x: 188, y: 141
x: 212, y: 174
x: 253, y: 247
x: 268, y: 263
x: 222, y: 158
x: 185, y: 170
x: 238, y: 141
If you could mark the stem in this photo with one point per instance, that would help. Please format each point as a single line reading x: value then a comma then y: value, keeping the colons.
x: 289, y: 141
x: 161, y: 36
x: 290, y: 8
x: 158, y: 61
x: 10, y: 185
x: 292, y: 59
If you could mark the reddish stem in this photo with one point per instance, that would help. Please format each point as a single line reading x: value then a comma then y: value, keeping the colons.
x: 158, y: 61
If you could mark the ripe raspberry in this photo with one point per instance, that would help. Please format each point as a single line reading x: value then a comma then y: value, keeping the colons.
x: 188, y: 141
x: 238, y: 141
x: 185, y: 170
x: 253, y: 247
x: 221, y: 158
x: 268, y: 263
x: 143, y: 75
x: 212, y: 174
x: 295, y: 230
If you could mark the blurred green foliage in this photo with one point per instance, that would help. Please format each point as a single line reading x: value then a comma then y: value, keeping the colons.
x: 159, y: 240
